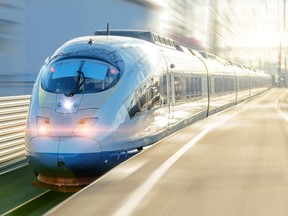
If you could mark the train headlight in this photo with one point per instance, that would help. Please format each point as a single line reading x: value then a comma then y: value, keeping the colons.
x: 43, y: 126
x: 84, y: 127
x: 68, y: 105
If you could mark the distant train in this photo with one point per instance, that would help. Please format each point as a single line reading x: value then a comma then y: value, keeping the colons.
x: 100, y: 99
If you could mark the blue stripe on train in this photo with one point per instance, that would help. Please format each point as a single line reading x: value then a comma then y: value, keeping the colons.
x: 86, y: 164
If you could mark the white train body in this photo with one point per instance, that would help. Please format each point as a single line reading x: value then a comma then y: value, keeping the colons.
x: 100, y: 99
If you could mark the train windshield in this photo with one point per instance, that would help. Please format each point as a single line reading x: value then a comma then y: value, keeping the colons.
x: 79, y: 76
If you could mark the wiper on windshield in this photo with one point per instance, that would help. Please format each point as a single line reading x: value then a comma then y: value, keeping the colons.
x: 78, y: 83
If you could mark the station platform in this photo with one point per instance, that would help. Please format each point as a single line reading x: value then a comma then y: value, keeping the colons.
x: 232, y: 163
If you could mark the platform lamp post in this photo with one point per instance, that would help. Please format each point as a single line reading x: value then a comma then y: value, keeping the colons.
x: 214, y: 30
x: 279, y: 63
x: 285, y: 68
x: 280, y: 45
x: 284, y: 29
x: 281, y: 76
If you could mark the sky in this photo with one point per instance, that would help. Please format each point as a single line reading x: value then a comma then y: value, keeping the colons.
x: 253, y: 28
x: 257, y: 23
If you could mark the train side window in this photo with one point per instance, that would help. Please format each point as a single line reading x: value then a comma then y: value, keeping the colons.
x: 243, y: 83
x: 229, y: 85
x: 133, y: 105
x: 183, y: 87
x: 162, y: 40
x: 196, y: 86
x: 192, y: 84
x: 154, y: 92
x: 157, y: 39
x: 226, y: 85
x: 137, y: 102
x: 163, y: 88
x: 232, y: 85
x: 200, y: 86
x: 217, y: 82
x: 143, y: 97
x: 177, y: 89
x: 188, y: 88
x: 215, y: 85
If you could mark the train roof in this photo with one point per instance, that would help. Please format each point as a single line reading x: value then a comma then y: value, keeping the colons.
x: 140, y: 34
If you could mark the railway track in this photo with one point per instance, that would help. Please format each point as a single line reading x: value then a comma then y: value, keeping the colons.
x: 18, y: 197
x: 39, y: 204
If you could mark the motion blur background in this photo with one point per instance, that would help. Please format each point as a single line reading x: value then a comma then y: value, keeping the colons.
x: 249, y: 32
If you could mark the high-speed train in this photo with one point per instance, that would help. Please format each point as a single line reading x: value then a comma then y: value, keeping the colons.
x: 100, y: 99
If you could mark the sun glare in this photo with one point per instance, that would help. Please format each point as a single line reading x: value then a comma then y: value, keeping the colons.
x: 263, y: 39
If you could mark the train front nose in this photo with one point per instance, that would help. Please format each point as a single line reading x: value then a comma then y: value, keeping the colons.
x: 79, y: 155
x: 64, y: 156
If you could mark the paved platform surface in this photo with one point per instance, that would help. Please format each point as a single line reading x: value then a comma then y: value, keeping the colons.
x: 233, y: 163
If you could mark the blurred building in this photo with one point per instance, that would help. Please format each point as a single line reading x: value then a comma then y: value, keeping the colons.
x: 12, y: 38
x: 31, y: 30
